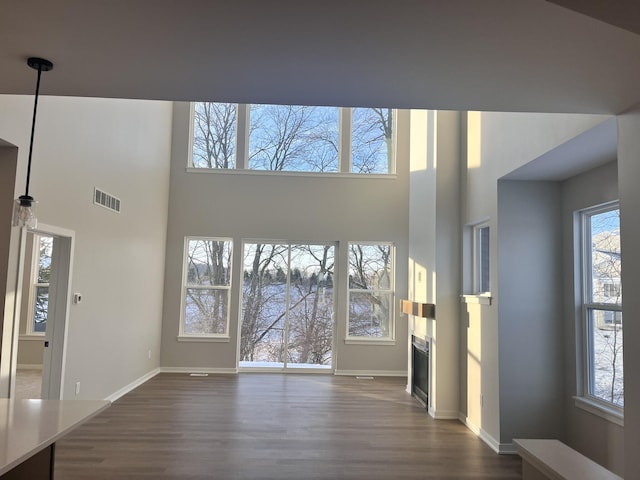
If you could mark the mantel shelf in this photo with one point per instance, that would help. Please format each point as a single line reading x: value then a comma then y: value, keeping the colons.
x: 423, y: 310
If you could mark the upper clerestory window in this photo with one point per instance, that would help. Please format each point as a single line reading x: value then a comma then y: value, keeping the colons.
x: 293, y: 138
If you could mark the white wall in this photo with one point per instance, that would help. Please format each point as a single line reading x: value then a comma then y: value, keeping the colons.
x: 251, y: 205
x: 497, y: 144
x: 434, y: 251
x: 122, y: 147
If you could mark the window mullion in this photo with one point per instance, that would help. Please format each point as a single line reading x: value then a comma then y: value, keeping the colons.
x: 345, y: 139
x: 242, y: 136
x: 615, y: 307
x: 285, y: 345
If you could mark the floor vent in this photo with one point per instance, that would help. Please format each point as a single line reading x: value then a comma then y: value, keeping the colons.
x: 106, y: 200
x: 198, y: 374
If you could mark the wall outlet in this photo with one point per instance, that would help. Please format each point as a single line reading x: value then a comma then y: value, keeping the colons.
x: 77, y: 388
x: 149, y: 354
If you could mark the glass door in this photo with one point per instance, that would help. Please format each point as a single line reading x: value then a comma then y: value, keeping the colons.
x: 287, y: 306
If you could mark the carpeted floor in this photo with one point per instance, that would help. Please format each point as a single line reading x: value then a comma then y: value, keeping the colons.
x: 28, y: 383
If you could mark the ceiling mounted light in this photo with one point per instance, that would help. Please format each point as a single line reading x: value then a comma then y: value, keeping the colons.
x: 24, y: 214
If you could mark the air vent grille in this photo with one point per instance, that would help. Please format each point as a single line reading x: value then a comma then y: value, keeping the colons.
x: 106, y: 200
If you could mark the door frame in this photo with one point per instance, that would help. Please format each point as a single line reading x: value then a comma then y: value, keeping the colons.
x: 286, y: 368
x: 54, y: 359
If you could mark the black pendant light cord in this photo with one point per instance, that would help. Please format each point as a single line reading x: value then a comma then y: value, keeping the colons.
x: 33, y: 129
x: 41, y: 65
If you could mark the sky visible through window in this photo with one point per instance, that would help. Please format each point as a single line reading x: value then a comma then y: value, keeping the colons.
x: 294, y: 138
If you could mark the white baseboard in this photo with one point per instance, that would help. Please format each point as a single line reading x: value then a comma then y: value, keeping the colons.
x: 372, y: 373
x: 228, y: 371
x: 136, y: 383
x: 508, y: 449
x: 443, y: 414
x: 469, y: 424
x: 499, y: 448
x: 27, y: 366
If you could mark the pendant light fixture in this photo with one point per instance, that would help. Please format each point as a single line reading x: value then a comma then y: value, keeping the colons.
x: 24, y: 214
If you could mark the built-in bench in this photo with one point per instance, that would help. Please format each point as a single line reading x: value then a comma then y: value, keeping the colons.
x: 551, y: 459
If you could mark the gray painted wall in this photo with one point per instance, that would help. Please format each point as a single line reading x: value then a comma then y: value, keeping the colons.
x: 122, y: 147
x: 530, y: 310
x: 591, y: 435
x: 254, y: 205
x: 8, y: 260
x: 628, y: 175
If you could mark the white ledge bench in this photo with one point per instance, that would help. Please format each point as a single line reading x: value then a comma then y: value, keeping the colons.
x: 544, y: 459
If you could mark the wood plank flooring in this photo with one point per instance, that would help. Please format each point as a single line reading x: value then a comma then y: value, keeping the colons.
x: 272, y: 426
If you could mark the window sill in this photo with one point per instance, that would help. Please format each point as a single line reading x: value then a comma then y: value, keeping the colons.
x: 610, y: 414
x: 203, y: 339
x: 279, y: 173
x: 481, y: 299
x: 369, y: 341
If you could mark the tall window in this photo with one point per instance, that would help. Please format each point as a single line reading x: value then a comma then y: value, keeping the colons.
x: 293, y: 138
x: 481, y: 264
x: 206, y: 287
x: 40, y: 278
x: 602, y: 365
x: 371, y: 284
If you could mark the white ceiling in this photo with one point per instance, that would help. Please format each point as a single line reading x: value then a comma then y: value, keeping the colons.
x: 501, y: 55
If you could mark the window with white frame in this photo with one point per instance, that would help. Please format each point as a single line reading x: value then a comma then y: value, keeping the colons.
x: 293, y: 138
x: 214, y: 135
x: 372, y: 140
x: 481, y: 259
x: 206, y: 287
x: 40, y: 278
x: 602, y: 369
x: 371, y: 291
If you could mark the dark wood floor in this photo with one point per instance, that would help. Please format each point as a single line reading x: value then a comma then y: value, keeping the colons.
x: 271, y: 426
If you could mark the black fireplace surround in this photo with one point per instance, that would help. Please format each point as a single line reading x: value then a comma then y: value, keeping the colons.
x: 420, y: 370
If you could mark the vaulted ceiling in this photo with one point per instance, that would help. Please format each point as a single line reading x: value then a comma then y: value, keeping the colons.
x: 503, y: 55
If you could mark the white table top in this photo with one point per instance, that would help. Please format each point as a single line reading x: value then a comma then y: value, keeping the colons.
x: 29, y: 426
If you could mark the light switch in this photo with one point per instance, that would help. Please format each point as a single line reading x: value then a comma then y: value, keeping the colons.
x: 77, y: 298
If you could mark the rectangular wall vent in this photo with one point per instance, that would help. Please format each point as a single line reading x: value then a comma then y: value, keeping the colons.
x: 106, y: 200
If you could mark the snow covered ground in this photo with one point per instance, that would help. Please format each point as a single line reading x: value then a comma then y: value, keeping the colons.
x: 281, y: 365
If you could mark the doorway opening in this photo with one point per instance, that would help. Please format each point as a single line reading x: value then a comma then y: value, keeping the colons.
x: 287, y: 307
x: 41, y: 317
x: 33, y: 315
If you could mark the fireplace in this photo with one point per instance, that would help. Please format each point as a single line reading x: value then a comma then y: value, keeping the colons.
x: 420, y: 370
